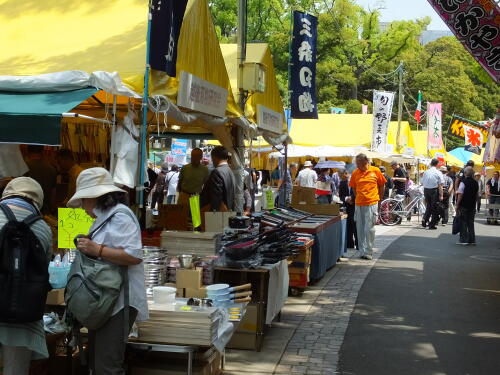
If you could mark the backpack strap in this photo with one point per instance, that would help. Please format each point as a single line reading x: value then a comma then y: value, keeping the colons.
x: 33, y: 218
x: 8, y: 212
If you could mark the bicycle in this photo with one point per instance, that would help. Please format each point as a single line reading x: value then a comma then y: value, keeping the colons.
x: 393, y: 210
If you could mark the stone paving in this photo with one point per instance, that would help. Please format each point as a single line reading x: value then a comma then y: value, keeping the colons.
x: 312, y: 328
x: 315, y: 345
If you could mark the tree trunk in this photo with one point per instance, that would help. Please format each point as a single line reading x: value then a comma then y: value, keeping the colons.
x: 354, y: 91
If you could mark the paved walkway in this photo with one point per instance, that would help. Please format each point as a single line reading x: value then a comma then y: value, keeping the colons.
x: 429, y: 306
x: 310, y: 335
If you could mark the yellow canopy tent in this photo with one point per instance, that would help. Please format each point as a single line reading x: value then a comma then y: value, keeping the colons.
x: 93, y: 36
x: 344, y: 130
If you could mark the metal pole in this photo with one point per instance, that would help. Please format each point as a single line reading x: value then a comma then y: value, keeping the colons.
x: 238, y: 134
x: 142, y: 159
x: 113, y: 129
x: 400, y: 107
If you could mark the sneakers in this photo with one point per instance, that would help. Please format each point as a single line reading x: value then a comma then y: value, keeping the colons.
x: 424, y: 224
x: 443, y: 224
x: 366, y: 257
x: 472, y: 243
x: 434, y: 227
x: 462, y: 243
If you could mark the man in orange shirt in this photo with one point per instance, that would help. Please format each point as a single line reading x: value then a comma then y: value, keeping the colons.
x: 368, y: 184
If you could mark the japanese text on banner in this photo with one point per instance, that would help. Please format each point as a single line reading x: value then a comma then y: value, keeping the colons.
x: 476, y: 23
x: 382, y: 111
x: 473, y: 139
x: 434, y: 126
x: 302, y: 80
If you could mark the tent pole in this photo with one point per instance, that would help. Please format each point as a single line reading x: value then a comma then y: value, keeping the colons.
x: 113, y: 129
x: 142, y: 158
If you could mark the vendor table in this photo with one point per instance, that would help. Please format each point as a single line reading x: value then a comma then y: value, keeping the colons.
x: 329, y: 241
x: 169, y: 349
x: 269, y: 292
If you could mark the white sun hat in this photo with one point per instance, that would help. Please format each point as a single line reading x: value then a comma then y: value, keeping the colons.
x: 308, y: 163
x: 92, y: 183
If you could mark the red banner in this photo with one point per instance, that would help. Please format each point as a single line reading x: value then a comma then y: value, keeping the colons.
x: 476, y: 23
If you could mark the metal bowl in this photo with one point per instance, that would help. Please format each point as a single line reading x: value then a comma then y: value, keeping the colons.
x: 186, y: 260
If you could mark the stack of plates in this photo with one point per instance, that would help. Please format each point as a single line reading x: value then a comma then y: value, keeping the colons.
x: 182, y: 325
x: 155, y: 267
x: 197, y: 243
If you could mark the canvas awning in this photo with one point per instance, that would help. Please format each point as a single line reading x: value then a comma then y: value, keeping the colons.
x: 35, y: 118
x: 348, y: 130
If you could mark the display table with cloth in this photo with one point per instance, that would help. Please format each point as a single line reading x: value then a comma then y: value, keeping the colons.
x: 269, y: 294
x: 329, y: 241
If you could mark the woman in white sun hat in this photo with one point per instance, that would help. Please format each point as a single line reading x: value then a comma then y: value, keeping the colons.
x: 118, y: 241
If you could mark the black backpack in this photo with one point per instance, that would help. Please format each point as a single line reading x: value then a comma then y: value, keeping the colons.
x: 24, y: 273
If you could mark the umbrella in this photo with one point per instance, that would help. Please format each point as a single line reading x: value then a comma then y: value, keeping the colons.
x: 465, y: 156
x: 330, y: 164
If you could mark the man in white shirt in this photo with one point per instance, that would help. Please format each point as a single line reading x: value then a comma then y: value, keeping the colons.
x: 307, y: 177
x: 432, y: 182
x: 171, y: 181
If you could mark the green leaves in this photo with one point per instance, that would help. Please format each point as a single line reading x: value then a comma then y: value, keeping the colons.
x: 356, y: 54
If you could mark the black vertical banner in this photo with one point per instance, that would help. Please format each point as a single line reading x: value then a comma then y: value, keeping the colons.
x: 302, y: 80
x: 166, y: 22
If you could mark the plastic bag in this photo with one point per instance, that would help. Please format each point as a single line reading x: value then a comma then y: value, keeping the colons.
x: 58, y: 275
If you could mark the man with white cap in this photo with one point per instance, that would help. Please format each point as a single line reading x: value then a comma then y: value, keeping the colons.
x: 307, y: 177
x: 116, y: 239
x: 23, y: 342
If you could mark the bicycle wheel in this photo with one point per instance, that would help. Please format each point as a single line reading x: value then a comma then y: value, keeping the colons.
x: 387, y: 212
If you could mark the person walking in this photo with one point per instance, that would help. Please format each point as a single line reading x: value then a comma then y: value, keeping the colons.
x: 324, y: 187
x: 159, y: 190
x: 307, y: 177
x: 480, y: 192
x: 346, y: 195
x: 23, y: 342
x: 368, y: 185
x: 466, y: 205
x: 116, y: 239
x: 389, y: 185
x: 447, y: 193
x: 452, y: 201
x: 493, y: 193
x: 192, y: 177
x: 171, y: 181
x: 432, y: 181
x: 218, y: 194
x: 399, y: 178
x: 285, y: 186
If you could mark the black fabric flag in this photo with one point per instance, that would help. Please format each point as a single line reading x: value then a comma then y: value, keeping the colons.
x: 302, y: 80
x: 166, y: 22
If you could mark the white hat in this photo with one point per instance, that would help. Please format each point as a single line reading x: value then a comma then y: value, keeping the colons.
x: 92, y: 183
x: 25, y: 187
x: 308, y: 163
x: 443, y: 168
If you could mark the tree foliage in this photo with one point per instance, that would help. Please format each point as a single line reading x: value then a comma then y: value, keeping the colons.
x: 357, y: 54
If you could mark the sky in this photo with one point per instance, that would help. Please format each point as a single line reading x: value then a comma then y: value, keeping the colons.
x: 405, y: 10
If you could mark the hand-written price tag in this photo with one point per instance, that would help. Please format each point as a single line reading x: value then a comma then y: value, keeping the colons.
x: 70, y: 223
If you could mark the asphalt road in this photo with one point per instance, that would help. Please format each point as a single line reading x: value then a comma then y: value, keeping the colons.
x: 429, y: 307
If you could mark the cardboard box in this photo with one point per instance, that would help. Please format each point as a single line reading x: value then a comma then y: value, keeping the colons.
x: 55, y: 297
x: 217, y: 221
x: 249, y: 322
x: 188, y: 279
x: 241, y: 340
x: 304, y: 199
x: 195, y: 293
